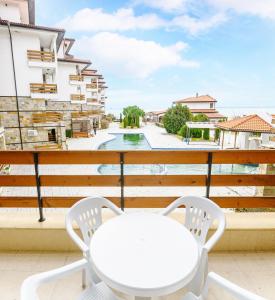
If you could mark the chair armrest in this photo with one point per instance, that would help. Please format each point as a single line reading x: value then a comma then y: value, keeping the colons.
x: 30, y: 285
x: 216, y: 236
x: 78, y: 241
x: 230, y: 287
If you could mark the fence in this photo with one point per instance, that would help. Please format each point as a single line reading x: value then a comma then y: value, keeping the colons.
x: 121, y: 158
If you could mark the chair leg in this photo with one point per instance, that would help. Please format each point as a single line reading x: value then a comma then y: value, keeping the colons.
x: 84, y: 279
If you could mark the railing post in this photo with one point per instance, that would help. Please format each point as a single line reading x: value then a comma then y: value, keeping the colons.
x: 121, y: 154
x: 209, y: 172
x: 38, y: 187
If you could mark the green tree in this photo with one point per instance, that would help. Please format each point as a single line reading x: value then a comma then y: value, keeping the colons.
x: 132, y: 115
x: 176, y: 117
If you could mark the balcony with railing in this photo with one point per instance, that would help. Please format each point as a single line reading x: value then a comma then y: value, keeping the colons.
x: 47, y: 117
x: 91, y: 86
x: 92, y: 101
x: 43, y: 90
x: 78, y: 98
x: 43, y: 59
x: 53, y: 180
x: 76, y: 79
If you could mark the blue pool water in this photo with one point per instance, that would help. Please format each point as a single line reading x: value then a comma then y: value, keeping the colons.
x: 139, y: 142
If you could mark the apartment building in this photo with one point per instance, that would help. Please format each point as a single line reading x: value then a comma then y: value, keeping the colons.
x: 42, y: 86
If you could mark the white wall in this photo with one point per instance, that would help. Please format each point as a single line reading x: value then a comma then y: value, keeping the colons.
x: 65, y: 88
x: 198, y: 105
x: 24, y: 74
x: 23, y: 40
x: 242, y: 141
x: 10, y: 12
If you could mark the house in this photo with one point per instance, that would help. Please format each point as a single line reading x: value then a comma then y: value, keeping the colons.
x: 203, y: 104
x: 249, y: 132
x: 40, y: 80
x: 155, y: 116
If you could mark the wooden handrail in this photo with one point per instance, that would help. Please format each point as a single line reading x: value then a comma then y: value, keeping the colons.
x: 46, y: 117
x: 77, y: 97
x: 76, y: 77
x: 44, y: 88
x: 44, y: 56
x: 91, y: 86
x: 139, y: 157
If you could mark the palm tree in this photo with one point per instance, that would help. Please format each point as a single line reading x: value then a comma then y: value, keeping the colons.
x: 132, y: 115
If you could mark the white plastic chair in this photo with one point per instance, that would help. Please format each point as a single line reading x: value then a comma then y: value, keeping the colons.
x: 200, y: 213
x: 97, y: 291
x: 233, y: 289
x: 87, y: 214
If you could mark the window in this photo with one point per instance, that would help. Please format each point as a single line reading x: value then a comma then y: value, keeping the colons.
x: 211, y: 105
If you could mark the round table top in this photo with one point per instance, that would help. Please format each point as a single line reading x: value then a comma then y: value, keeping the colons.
x: 144, y: 254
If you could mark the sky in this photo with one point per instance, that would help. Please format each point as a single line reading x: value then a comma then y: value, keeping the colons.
x: 152, y: 52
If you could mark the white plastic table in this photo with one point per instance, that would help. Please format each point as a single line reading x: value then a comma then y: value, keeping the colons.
x: 144, y: 254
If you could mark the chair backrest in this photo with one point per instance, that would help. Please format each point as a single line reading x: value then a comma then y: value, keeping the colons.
x: 200, y: 215
x: 87, y: 213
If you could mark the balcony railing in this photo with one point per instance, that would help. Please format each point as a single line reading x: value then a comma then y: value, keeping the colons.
x: 209, y: 180
x: 43, y: 88
x: 35, y: 55
x: 77, y: 97
x: 76, y: 77
x: 92, y: 100
x: 82, y: 114
x: 45, y: 117
x: 92, y: 86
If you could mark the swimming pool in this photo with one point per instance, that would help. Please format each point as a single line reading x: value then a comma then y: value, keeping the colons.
x: 139, y: 142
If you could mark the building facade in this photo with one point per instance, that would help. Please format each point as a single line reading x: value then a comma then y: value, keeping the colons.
x: 203, y: 104
x: 42, y: 84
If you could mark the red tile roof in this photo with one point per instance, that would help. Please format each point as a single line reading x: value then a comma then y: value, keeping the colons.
x: 252, y: 123
x: 202, y: 98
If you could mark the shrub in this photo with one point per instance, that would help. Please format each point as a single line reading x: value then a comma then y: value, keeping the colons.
x: 217, y: 134
x: 206, y: 134
x: 196, y: 133
x: 68, y: 133
x: 176, y: 117
x: 183, y: 131
x: 200, y: 118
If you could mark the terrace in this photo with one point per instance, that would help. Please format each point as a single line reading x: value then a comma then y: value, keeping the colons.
x: 54, y: 180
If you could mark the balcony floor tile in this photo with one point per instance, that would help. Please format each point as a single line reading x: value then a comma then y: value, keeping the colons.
x: 254, y: 271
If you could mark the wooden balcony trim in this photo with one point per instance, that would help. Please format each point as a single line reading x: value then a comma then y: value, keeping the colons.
x: 43, y: 56
x: 73, y: 77
x: 43, y: 88
x: 77, y: 97
x: 139, y: 157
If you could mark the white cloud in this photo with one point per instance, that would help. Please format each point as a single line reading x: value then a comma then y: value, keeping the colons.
x: 261, y: 8
x: 88, y: 19
x: 124, y: 19
x: 195, y: 26
x: 165, y: 5
x: 130, y: 56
